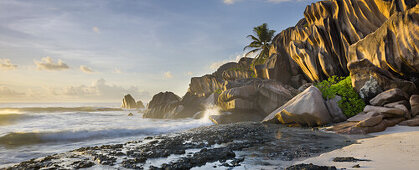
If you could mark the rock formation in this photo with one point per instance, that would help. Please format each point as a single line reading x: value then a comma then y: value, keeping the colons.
x: 129, y: 102
x: 307, y: 108
x: 161, y: 104
x: 390, y: 108
x: 337, y: 32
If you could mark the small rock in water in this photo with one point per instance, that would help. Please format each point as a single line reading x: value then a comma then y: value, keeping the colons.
x: 130, y: 114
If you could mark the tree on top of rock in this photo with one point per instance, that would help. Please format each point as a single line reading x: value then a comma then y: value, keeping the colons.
x: 261, y: 42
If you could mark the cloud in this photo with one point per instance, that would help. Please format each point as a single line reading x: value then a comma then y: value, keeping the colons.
x: 101, y: 90
x: 168, y: 75
x: 86, y: 69
x: 189, y: 73
x: 5, y: 64
x: 229, y: 2
x: 215, y: 65
x: 48, y: 64
x: 6, y: 92
x: 117, y: 70
x: 279, y: 1
x: 95, y: 29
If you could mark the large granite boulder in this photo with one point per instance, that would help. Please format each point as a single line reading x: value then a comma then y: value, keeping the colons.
x: 129, y: 102
x: 161, y: 105
x: 259, y: 96
x: 336, y: 32
x: 307, y: 108
x: 389, y: 96
x: 334, y: 109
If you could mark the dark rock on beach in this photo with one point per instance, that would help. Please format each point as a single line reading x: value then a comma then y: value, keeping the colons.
x: 310, y: 167
x: 225, y: 146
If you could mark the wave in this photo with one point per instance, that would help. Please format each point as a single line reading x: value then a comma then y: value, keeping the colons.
x: 56, y: 109
x: 29, y: 138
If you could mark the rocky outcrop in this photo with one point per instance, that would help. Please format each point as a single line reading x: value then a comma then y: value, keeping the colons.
x: 390, y: 108
x: 129, y: 103
x: 140, y: 104
x: 389, y: 96
x: 319, y: 46
x: 307, y: 108
x: 392, y: 48
x: 255, y: 95
x: 334, y: 109
x: 161, y: 105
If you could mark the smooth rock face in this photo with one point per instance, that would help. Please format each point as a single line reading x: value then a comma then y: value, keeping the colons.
x: 411, y: 122
x: 387, y: 112
x: 389, y: 96
x: 334, y: 109
x: 128, y: 102
x: 161, y: 104
x: 307, y: 108
x: 362, y: 116
x: 414, y: 103
x: 255, y: 95
x: 372, y: 121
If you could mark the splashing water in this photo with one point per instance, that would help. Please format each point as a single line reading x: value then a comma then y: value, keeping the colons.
x: 210, y: 110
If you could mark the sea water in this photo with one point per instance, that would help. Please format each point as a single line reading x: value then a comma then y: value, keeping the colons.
x: 34, y: 130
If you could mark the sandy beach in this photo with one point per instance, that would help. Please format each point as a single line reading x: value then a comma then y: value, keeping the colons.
x: 395, y: 148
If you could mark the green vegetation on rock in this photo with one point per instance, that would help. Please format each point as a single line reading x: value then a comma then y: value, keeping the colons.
x: 351, y: 104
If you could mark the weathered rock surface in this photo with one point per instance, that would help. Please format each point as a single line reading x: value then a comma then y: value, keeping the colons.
x: 393, y: 47
x: 254, y: 96
x: 411, y: 122
x: 414, y: 103
x: 387, y: 112
x: 307, y: 108
x: 389, y: 96
x: 337, y: 32
x: 334, y: 109
x: 161, y: 104
x: 129, y: 102
x: 310, y: 167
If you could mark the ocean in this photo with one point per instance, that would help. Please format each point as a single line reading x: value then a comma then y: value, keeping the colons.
x: 31, y: 130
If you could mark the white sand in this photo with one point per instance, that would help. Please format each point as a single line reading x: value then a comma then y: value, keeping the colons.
x: 397, y: 148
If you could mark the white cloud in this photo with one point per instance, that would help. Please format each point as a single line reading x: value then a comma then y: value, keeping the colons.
x: 215, y: 65
x: 48, y: 64
x: 101, y: 90
x: 5, y: 64
x: 86, y: 69
x: 6, y: 92
x: 279, y: 1
x: 117, y: 70
x: 229, y: 1
x: 95, y: 29
x: 168, y: 75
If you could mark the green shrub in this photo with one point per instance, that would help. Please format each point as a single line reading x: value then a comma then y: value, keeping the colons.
x: 351, y: 104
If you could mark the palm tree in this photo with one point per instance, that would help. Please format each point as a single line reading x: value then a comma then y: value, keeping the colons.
x: 261, y: 42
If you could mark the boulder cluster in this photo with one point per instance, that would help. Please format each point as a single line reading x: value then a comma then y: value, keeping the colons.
x: 387, y: 109
x: 375, y: 42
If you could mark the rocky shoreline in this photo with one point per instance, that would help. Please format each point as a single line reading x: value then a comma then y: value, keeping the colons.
x: 246, y: 144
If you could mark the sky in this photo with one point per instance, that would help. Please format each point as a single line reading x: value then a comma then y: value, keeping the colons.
x: 99, y: 50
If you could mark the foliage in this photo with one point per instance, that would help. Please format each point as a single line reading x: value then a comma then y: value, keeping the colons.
x: 351, y: 104
x: 261, y: 42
